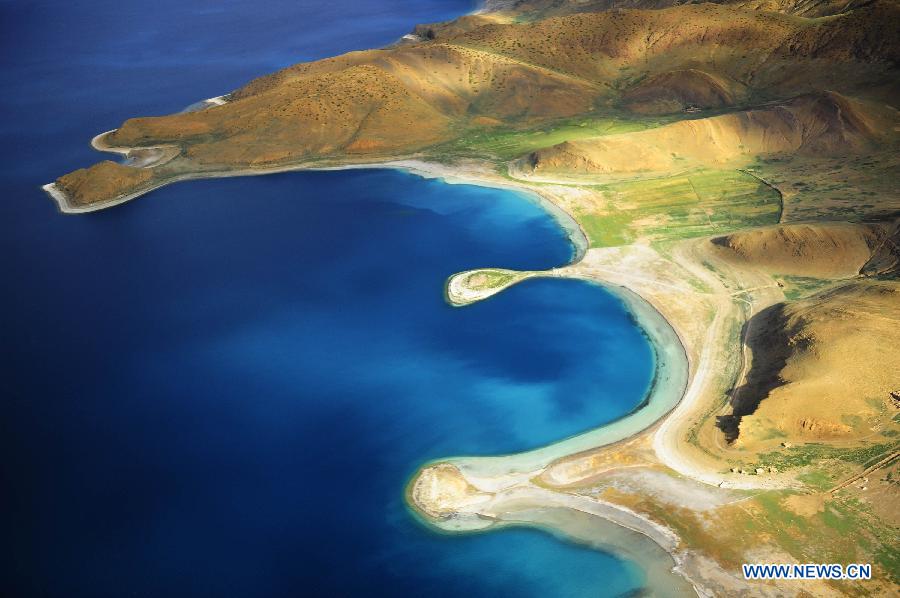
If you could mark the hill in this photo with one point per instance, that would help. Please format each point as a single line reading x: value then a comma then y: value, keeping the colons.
x: 732, y: 163
x: 817, y: 124
x: 490, y: 71
x: 534, y: 9
x: 821, y: 250
x: 822, y: 370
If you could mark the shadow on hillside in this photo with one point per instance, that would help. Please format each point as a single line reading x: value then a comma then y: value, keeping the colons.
x: 767, y: 340
x: 722, y: 241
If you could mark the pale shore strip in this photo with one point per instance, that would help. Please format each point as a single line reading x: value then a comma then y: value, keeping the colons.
x: 60, y: 197
x: 456, y: 176
x: 501, y: 473
x: 67, y: 207
x: 666, y: 390
x: 98, y: 144
x: 208, y: 103
x: 138, y: 157
x: 217, y: 101
x: 428, y: 170
x: 507, y: 481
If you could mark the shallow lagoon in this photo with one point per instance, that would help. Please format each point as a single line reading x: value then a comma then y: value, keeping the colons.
x: 222, y: 387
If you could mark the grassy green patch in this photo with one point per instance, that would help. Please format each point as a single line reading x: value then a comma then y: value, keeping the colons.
x: 775, y: 513
x: 491, y: 279
x: 813, y: 453
x: 773, y: 433
x: 791, y: 531
x: 798, y: 287
x: 845, y: 531
x: 820, y: 480
x: 888, y: 557
x: 607, y: 230
x: 852, y: 518
x: 666, y: 209
x: 506, y: 143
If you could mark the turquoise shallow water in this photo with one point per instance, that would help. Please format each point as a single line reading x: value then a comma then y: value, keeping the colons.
x: 223, y: 387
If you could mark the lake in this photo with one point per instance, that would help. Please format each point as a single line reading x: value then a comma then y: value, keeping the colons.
x: 222, y: 387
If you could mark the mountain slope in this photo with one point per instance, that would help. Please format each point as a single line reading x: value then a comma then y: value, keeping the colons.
x: 822, y: 368
x: 823, y: 250
x: 819, y: 124
x: 534, y: 9
x: 397, y: 101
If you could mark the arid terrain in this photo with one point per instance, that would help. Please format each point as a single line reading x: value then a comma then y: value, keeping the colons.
x: 735, y: 165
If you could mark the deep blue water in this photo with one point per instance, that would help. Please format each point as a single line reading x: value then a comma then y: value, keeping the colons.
x: 222, y: 387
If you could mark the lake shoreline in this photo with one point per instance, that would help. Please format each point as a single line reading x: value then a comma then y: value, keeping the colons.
x: 648, y: 319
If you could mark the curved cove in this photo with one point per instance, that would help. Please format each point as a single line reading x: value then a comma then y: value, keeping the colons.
x: 253, y: 368
x: 222, y: 388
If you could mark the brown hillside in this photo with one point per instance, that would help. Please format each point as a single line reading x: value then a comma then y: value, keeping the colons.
x: 542, y: 8
x: 101, y: 182
x: 885, y: 260
x: 379, y: 102
x: 446, y: 29
x: 761, y: 48
x: 823, y: 368
x: 388, y: 103
x: 361, y: 106
x: 554, y: 67
x: 823, y: 250
x: 826, y: 123
x: 678, y: 90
